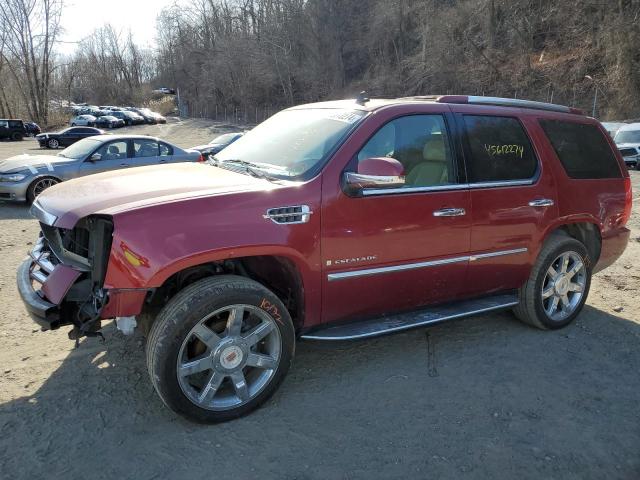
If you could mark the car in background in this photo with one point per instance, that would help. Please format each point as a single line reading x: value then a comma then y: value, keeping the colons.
x: 218, y: 144
x: 109, y: 121
x: 612, y: 127
x: 12, y: 129
x: 165, y: 91
x: 145, y: 113
x: 66, y: 137
x: 32, y: 128
x: 24, y: 177
x: 129, y: 118
x: 83, y: 120
x: 627, y: 140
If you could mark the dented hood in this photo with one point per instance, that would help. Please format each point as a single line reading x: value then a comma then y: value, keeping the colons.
x: 120, y: 190
x: 29, y: 162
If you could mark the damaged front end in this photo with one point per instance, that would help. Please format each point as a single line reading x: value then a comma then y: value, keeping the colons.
x: 61, y: 283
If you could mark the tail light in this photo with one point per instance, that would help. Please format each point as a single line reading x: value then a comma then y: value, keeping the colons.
x: 201, y: 158
x: 628, y: 201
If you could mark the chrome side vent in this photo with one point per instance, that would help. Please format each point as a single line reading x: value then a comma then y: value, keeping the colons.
x: 295, y: 214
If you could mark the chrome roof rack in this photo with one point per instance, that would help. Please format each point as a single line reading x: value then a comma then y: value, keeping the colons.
x: 506, y: 102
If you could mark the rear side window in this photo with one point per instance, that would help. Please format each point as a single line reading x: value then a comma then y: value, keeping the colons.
x: 582, y: 149
x: 165, y: 150
x: 500, y: 150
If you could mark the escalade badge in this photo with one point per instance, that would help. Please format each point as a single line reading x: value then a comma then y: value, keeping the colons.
x: 349, y: 261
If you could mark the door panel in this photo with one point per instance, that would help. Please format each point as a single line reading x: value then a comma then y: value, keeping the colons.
x: 388, y: 252
x: 145, y: 152
x: 506, y: 175
x: 114, y: 156
x: 392, y: 231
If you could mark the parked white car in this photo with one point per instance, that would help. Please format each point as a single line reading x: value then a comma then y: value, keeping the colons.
x: 628, y: 142
x: 83, y: 121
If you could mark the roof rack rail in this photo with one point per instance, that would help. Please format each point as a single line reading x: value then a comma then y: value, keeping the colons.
x: 507, y: 102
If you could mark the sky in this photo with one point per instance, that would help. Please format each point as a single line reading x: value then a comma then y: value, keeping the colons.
x: 81, y: 17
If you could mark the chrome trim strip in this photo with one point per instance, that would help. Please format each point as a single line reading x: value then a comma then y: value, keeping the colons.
x: 444, y: 188
x: 304, y: 214
x: 413, y: 325
x: 332, y: 277
x: 435, y: 188
x: 500, y: 253
x: 503, y: 183
x: 395, y: 268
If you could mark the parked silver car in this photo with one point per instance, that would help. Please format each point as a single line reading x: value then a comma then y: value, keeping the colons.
x: 83, y: 121
x: 24, y: 177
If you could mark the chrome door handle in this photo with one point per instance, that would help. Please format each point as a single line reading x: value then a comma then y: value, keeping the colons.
x: 543, y: 202
x: 450, y: 212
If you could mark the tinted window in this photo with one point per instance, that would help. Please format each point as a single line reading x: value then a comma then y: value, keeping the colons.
x: 15, y: 123
x: 145, y: 148
x: 582, y: 149
x: 500, y: 149
x: 114, y: 150
x: 165, y: 150
x: 420, y: 143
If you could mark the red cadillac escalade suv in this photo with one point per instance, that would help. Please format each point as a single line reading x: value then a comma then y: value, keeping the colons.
x: 331, y: 221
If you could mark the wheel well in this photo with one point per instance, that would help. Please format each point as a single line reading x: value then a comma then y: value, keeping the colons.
x: 586, y: 233
x: 278, y: 274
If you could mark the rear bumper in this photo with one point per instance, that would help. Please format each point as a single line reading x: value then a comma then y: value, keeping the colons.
x: 613, y: 246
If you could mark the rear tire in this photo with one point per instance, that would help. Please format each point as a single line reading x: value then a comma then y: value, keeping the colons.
x: 220, y: 348
x: 558, y: 285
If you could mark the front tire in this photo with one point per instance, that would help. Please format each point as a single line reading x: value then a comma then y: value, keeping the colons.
x: 558, y: 285
x: 220, y: 348
x: 53, y: 143
x: 38, y: 186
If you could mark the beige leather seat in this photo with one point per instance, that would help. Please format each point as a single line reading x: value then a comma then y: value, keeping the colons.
x: 434, y: 169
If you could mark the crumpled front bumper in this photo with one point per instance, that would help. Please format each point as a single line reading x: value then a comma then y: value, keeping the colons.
x: 44, y: 313
x: 43, y: 304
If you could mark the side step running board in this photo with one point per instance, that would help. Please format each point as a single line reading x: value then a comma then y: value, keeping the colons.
x: 405, y: 321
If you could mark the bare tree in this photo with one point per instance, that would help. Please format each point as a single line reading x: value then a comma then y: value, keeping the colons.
x: 31, y: 28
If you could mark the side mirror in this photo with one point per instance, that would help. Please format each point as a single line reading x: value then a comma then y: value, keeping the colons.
x: 96, y: 157
x: 374, y: 173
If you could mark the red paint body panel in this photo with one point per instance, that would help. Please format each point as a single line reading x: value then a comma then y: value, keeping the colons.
x: 58, y: 283
x: 176, y: 235
x: 124, y: 303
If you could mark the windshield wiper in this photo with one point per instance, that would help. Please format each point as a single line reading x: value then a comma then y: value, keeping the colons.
x: 254, y: 169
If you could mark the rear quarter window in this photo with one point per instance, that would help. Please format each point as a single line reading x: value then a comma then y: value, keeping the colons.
x: 500, y: 150
x: 582, y: 149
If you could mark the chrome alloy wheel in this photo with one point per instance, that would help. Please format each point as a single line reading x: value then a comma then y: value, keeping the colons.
x: 42, y: 184
x: 228, y: 357
x: 563, y: 286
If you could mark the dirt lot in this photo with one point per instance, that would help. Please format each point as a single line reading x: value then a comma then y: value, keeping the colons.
x: 484, y: 397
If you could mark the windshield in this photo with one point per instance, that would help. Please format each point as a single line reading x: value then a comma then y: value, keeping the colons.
x: 227, y: 137
x: 628, y: 136
x: 80, y: 149
x: 293, y: 142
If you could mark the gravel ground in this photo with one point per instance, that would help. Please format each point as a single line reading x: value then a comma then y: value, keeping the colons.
x: 485, y: 397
